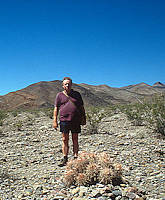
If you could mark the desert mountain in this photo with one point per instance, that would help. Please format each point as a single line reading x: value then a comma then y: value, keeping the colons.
x: 159, y: 84
x: 141, y: 88
x: 42, y: 94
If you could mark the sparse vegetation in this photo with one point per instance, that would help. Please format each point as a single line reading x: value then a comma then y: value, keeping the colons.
x: 15, y: 113
x: 156, y: 114
x: 18, y: 125
x: 94, y: 117
x: 150, y: 113
x: 49, y: 112
x: 37, y: 143
x: 134, y: 113
x: 4, y: 174
x: 91, y: 168
x: 3, y: 115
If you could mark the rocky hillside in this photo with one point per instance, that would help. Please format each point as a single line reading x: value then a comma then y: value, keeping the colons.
x: 31, y: 149
x: 42, y: 94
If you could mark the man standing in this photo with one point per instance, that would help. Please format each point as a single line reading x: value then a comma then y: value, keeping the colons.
x: 70, y: 105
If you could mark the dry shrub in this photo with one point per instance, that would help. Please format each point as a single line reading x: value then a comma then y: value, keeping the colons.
x: 81, y: 179
x: 91, y: 172
x: 70, y: 177
x: 3, y: 115
x: 106, y: 175
x: 104, y: 160
x: 91, y: 168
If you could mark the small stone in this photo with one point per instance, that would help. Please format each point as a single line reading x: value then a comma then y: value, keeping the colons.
x: 84, y: 189
x: 81, y: 193
x: 76, y: 190
x: 131, y: 189
x: 123, y: 185
x: 117, y: 193
x: 20, y: 196
x: 58, y: 198
x: 131, y: 195
x: 28, y: 192
x: 100, y: 185
x: 95, y: 193
x: 102, y: 198
x: 45, y: 192
x: 118, y: 198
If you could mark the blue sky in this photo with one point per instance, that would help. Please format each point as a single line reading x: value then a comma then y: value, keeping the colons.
x: 113, y: 42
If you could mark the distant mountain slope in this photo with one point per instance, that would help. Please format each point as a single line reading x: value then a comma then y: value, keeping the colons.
x: 159, y: 86
x: 42, y: 94
x: 141, y: 88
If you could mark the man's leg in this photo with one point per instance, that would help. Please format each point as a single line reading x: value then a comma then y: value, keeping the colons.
x: 65, y: 144
x: 75, y: 144
x: 65, y: 149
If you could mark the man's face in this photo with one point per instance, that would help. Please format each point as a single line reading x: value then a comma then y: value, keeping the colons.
x: 67, y: 85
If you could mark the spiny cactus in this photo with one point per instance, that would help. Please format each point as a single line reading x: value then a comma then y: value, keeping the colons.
x: 91, y: 168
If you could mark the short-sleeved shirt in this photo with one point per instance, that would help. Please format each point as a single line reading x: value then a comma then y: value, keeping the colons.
x: 69, y: 111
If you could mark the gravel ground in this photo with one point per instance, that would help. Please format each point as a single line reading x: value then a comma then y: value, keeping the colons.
x: 31, y: 149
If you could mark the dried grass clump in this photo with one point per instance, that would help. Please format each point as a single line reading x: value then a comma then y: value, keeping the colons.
x: 70, y: 177
x: 106, y: 175
x: 91, y: 168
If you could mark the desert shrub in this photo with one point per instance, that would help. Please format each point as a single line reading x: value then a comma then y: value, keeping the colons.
x: 30, y: 120
x: 34, y: 112
x: 3, y: 115
x: 18, y: 125
x: 4, y: 174
x: 94, y: 116
x: 150, y: 113
x: 1, y: 131
x: 156, y: 114
x: 15, y: 113
x: 91, y: 168
x: 48, y: 112
x: 135, y: 113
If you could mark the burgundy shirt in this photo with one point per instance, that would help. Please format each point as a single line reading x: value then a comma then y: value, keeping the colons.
x: 69, y: 111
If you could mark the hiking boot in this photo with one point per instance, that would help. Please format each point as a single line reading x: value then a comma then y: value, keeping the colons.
x: 63, y: 161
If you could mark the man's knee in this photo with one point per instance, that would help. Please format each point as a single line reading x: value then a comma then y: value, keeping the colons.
x: 75, y: 137
x: 65, y: 138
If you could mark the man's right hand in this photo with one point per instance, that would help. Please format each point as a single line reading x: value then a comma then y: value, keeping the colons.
x: 55, y: 114
x: 55, y: 125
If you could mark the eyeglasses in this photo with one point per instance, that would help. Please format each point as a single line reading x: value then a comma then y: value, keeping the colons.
x: 67, y: 84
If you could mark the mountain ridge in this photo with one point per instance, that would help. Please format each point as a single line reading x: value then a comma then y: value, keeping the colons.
x: 42, y: 94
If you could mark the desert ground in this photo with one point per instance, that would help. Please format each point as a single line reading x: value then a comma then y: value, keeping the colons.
x: 31, y: 149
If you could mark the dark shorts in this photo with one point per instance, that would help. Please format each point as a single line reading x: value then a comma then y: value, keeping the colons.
x: 66, y: 126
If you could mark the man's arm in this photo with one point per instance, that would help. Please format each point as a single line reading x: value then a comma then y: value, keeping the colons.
x: 55, y: 115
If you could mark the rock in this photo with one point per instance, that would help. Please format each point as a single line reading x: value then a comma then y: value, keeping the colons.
x: 28, y: 192
x: 81, y: 193
x: 131, y: 195
x: 95, y: 194
x: 102, y: 198
x: 84, y: 189
x: 58, y: 197
x: 76, y: 190
x: 117, y: 193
